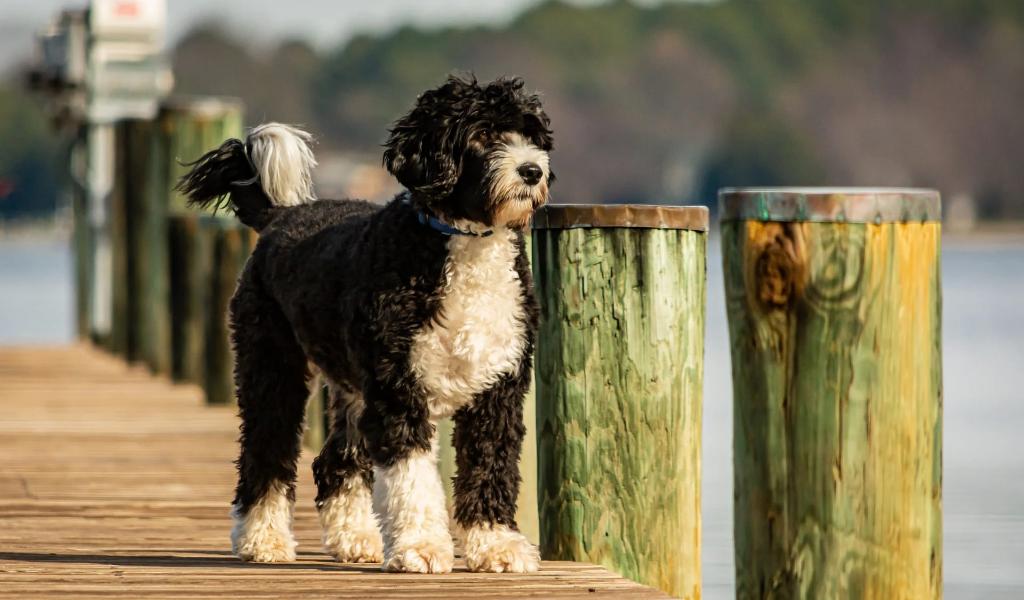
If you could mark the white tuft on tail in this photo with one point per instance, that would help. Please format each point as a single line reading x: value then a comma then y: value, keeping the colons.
x: 284, y: 161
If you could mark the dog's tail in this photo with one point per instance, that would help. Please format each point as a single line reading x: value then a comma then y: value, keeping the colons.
x: 271, y: 169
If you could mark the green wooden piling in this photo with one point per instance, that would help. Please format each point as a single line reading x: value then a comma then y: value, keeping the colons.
x: 315, y: 434
x: 132, y: 150
x: 195, y: 126
x: 191, y: 251
x: 138, y: 242
x: 527, y: 516
x: 81, y: 240
x: 230, y: 252
x: 189, y: 128
x: 81, y: 234
x: 121, y: 235
x: 834, y: 321
x: 149, y: 277
x: 619, y: 375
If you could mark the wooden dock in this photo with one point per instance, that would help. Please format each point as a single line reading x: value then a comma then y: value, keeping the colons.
x: 116, y: 484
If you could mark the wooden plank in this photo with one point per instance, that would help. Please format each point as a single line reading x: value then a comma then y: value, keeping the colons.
x: 836, y: 349
x: 619, y: 386
x: 114, y: 483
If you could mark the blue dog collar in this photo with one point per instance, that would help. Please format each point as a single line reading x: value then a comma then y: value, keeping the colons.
x: 439, y: 225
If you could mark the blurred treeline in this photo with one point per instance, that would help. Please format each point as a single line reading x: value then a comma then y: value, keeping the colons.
x: 667, y: 103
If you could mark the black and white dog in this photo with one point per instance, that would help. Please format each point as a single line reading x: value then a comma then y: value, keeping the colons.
x: 415, y: 311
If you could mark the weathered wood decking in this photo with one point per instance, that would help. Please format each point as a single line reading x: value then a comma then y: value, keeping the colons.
x: 116, y: 484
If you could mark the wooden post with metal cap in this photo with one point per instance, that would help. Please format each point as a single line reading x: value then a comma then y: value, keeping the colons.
x: 619, y: 372
x: 835, y: 328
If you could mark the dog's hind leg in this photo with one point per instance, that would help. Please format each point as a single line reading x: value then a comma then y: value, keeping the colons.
x: 344, y: 484
x: 271, y: 381
x: 488, y: 440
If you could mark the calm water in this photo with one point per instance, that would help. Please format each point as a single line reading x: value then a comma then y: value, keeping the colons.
x: 984, y: 403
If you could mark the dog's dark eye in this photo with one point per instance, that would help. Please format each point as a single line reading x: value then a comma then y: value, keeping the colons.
x: 484, y: 134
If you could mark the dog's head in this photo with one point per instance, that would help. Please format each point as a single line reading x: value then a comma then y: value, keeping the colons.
x: 472, y: 152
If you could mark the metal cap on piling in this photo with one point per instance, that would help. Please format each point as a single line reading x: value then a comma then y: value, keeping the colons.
x: 636, y: 216
x: 830, y: 205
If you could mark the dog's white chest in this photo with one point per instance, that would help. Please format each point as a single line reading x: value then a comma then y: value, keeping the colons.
x: 479, y: 335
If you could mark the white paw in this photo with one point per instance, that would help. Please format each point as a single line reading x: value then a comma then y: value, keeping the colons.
x: 355, y: 546
x: 266, y: 546
x: 420, y: 557
x: 264, y: 534
x: 499, y: 549
x: 350, y: 528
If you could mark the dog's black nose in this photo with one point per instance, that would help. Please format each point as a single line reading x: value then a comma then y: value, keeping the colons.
x: 530, y: 172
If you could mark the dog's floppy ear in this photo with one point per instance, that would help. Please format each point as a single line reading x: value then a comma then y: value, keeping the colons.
x: 403, y: 158
x: 425, y: 147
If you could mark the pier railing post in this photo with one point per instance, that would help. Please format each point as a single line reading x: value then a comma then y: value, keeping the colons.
x: 204, y: 255
x: 140, y: 320
x: 619, y: 374
x: 121, y: 235
x: 231, y: 248
x: 150, y: 248
x: 191, y: 253
x: 834, y: 320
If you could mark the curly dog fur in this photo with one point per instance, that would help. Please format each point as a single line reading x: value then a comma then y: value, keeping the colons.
x: 419, y: 310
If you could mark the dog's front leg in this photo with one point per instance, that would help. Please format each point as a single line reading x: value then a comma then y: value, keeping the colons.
x: 488, y: 440
x: 407, y: 491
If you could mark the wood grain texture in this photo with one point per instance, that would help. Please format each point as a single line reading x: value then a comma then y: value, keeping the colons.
x: 836, y: 350
x: 116, y: 484
x: 619, y: 387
